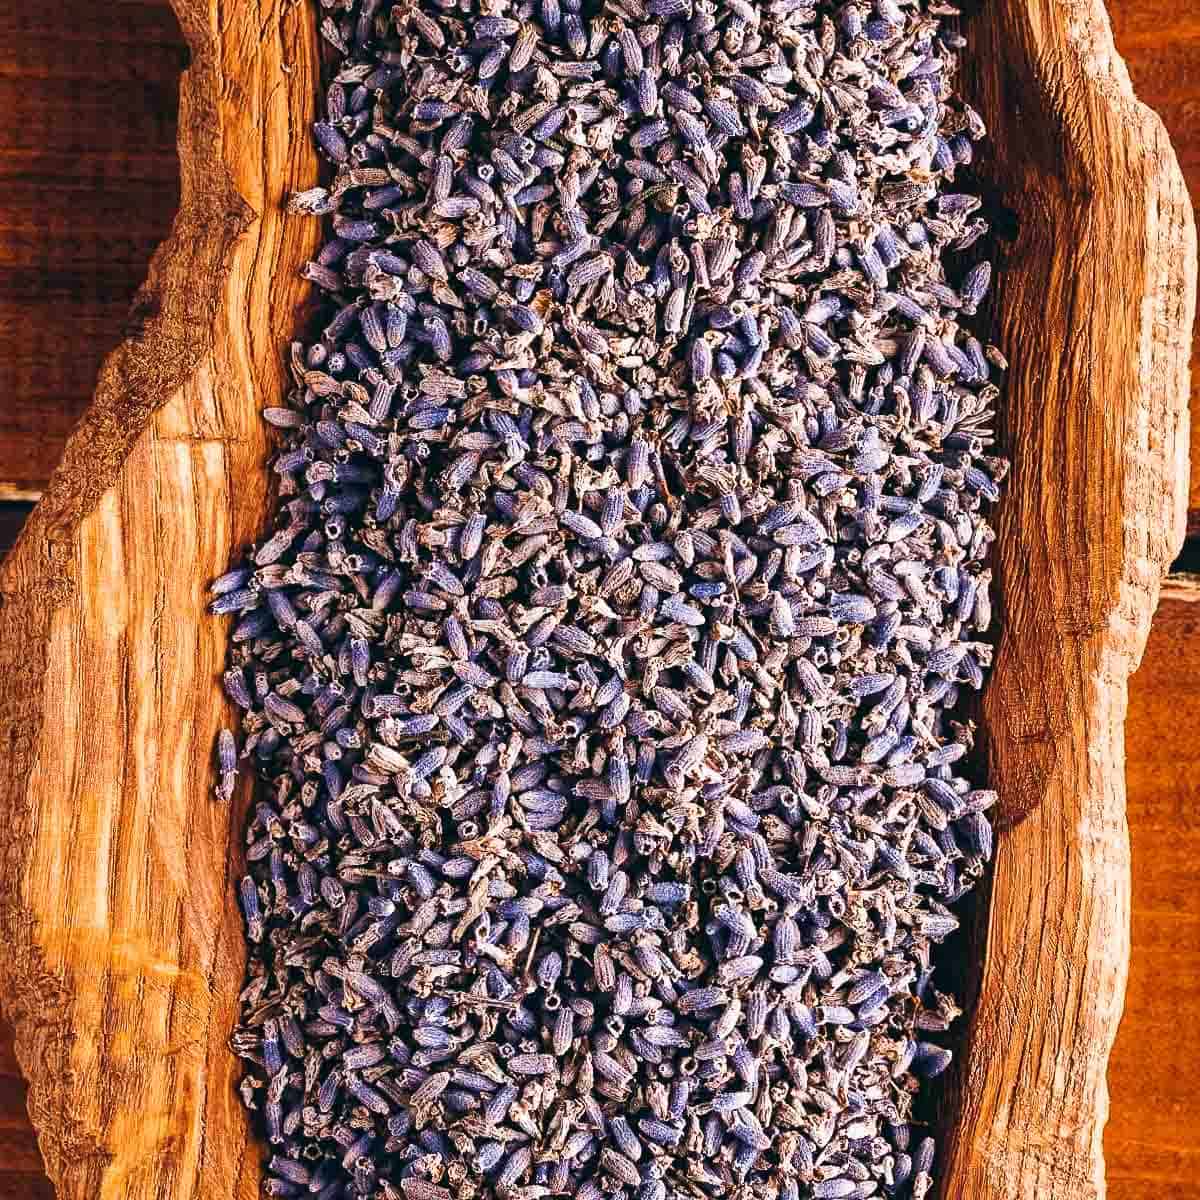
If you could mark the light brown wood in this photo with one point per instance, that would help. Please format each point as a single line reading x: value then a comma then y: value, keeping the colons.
x: 1095, y: 306
x: 124, y: 953
x: 123, y: 946
x: 1152, y: 1143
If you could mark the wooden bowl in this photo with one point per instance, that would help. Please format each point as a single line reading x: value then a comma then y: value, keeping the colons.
x: 123, y: 950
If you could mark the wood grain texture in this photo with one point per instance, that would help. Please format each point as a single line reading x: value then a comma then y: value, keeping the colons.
x: 123, y: 991
x: 1095, y: 305
x: 124, y: 947
x: 1152, y: 1143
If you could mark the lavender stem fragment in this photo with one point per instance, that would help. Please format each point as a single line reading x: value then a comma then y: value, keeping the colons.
x: 599, y: 666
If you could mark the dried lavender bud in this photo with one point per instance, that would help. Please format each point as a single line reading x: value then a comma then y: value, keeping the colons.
x: 599, y: 664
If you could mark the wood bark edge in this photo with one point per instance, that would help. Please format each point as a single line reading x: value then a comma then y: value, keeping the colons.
x: 1106, y: 251
x: 174, y: 311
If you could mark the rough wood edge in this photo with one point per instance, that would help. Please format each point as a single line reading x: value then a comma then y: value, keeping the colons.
x: 1013, y: 1141
x: 173, y: 312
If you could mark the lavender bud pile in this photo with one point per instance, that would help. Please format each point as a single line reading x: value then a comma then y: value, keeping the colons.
x: 600, y: 665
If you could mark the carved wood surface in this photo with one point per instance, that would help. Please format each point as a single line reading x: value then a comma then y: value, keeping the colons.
x: 1095, y: 308
x: 124, y: 951
x: 124, y: 948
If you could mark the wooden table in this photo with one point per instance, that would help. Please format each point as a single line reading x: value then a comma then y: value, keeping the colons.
x: 90, y: 183
x: 1153, y: 1139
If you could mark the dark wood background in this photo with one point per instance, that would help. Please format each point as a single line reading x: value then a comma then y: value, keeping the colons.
x: 89, y: 184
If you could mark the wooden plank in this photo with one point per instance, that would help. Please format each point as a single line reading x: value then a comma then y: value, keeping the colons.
x: 1152, y: 1144
x: 51, y: 348
x: 1083, y: 533
x: 169, y: 459
x: 89, y: 183
x: 1160, y: 42
x: 25, y: 1185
